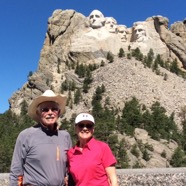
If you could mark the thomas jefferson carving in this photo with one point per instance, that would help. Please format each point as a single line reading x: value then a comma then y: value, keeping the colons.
x: 111, y: 24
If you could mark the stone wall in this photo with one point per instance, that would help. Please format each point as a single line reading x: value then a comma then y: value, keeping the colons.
x: 140, y: 177
x: 154, y: 176
x: 4, y: 179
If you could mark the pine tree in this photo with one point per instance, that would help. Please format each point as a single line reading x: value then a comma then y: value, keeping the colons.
x: 174, y: 67
x: 110, y: 57
x: 121, y: 53
x: 149, y: 59
x: 122, y: 156
x: 77, y: 96
x: 178, y: 158
x: 131, y: 116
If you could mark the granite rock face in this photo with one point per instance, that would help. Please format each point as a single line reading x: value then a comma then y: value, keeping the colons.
x: 71, y: 39
x: 174, y: 42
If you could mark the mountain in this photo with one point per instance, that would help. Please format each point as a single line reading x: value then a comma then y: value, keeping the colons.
x: 73, y: 40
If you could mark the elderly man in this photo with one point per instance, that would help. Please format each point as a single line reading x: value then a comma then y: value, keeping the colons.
x: 40, y: 152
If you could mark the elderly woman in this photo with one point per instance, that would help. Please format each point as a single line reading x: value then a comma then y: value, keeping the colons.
x: 91, y: 162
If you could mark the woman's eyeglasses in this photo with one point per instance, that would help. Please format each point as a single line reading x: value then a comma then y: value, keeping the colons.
x: 82, y: 125
x: 53, y: 109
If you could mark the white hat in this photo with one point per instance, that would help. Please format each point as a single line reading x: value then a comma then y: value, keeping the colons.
x: 84, y: 117
x: 48, y: 95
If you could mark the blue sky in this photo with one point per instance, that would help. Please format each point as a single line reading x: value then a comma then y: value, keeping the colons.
x: 24, y: 24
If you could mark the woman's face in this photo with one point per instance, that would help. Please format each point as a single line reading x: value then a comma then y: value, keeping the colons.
x: 84, y: 130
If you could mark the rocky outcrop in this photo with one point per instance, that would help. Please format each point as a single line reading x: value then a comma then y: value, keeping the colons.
x: 70, y: 39
x: 179, y: 28
x: 156, y: 149
x: 175, y: 43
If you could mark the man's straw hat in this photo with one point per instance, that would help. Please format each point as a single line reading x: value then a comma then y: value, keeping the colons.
x: 48, y: 95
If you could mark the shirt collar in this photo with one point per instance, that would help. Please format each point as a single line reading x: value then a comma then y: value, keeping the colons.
x: 47, y: 131
x: 89, y: 145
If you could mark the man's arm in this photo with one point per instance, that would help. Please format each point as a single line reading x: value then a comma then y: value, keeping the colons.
x: 16, y: 169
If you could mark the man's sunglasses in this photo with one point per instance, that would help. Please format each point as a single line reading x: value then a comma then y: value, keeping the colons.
x: 82, y: 125
x: 53, y: 109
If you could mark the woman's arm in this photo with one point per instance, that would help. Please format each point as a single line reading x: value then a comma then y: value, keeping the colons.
x: 111, y: 173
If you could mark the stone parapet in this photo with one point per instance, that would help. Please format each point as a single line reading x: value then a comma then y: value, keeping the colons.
x: 153, y: 176
x: 139, y: 177
x: 4, y: 181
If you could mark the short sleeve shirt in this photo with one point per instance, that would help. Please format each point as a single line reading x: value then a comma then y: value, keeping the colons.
x: 87, y: 167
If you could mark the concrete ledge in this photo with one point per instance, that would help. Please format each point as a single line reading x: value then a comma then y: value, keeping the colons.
x: 139, y: 177
x: 152, y: 171
x: 4, y: 179
x: 154, y: 177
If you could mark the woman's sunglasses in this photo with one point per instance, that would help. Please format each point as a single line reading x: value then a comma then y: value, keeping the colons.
x: 53, y: 109
x: 82, y: 125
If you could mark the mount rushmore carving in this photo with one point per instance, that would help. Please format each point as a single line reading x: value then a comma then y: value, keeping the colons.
x: 97, y: 33
x: 73, y: 37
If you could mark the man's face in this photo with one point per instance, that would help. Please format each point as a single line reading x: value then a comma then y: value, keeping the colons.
x: 111, y: 25
x: 140, y: 33
x: 96, y: 19
x: 122, y: 32
x: 48, y: 113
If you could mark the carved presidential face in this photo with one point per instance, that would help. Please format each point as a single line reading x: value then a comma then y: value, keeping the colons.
x: 96, y: 19
x: 139, y: 33
x: 122, y: 32
x: 111, y: 24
